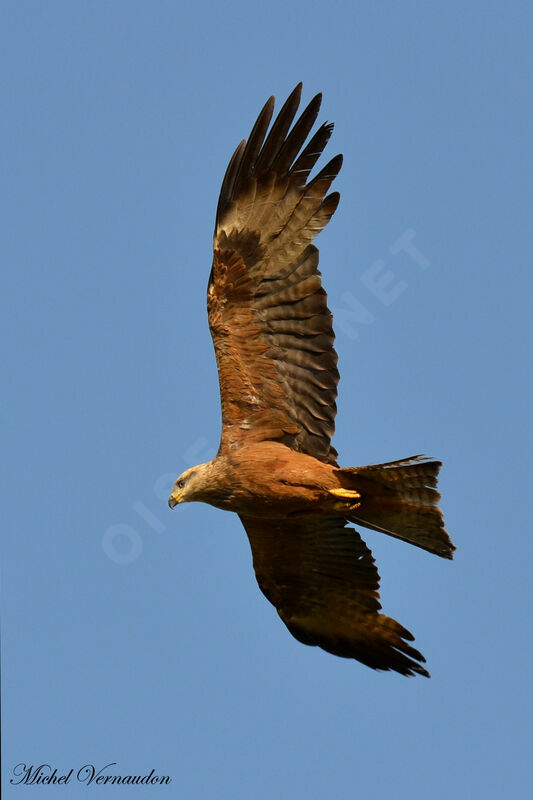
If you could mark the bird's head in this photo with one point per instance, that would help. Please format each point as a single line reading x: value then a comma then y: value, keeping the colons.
x: 189, y: 486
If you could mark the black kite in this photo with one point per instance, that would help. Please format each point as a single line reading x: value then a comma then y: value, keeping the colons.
x: 273, y: 338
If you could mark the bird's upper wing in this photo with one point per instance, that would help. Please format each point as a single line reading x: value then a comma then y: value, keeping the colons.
x: 322, y: 579
x: 268, y: 312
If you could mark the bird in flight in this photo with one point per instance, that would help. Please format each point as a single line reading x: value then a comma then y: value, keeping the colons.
x: 275, y: 467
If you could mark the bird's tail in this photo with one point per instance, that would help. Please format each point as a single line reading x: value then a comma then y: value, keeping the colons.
x: 398, y: 498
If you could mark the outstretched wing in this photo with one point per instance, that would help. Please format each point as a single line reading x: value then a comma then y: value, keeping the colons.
x: 322, y: 579
x: 268, y: 313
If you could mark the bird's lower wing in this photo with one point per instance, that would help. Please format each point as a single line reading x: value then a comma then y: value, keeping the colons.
x: 322, y: 579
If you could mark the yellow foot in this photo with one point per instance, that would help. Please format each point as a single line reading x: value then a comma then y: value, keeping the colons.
x: 348, y: 495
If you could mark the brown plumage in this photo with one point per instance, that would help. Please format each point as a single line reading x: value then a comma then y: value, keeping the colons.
x: 273, y: 338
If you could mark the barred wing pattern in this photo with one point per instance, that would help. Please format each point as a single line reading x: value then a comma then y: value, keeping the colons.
x: 268, y: 314
x: 322, y: 579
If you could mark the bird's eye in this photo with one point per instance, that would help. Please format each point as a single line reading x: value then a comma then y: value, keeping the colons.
x: 180, y: 484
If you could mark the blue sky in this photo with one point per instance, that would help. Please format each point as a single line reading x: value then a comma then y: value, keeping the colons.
x: 137, y: 635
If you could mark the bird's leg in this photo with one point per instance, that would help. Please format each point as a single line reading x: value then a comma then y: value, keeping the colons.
x: 351, y: 498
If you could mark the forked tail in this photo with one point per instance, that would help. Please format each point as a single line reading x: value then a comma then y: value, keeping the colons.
x: 399, y: 498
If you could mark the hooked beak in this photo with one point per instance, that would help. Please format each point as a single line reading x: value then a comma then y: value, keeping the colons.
x: 174, y: 498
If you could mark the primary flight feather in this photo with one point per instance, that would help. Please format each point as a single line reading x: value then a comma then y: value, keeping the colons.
x: 276, y: 467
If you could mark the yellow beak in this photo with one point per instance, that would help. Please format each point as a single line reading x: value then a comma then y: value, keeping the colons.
x: 174, y: 498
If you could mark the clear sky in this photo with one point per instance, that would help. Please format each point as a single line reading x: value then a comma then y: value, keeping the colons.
x: 137, y: 635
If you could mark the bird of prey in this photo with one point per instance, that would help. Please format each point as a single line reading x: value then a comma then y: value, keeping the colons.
x: 275, y: 467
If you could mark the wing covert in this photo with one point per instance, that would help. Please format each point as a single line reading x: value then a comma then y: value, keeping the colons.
x: 268, y: 313
x: 321, y: 578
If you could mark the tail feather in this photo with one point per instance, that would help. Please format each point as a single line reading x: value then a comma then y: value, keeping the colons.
x: 400, y: 498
